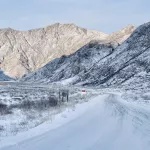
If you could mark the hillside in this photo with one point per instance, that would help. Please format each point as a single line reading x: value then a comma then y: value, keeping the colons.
x: 127, y: 64
x: 22, y: 52
x: 71, y: 66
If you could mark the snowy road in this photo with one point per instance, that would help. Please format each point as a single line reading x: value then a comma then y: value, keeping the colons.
x: 108, y: 124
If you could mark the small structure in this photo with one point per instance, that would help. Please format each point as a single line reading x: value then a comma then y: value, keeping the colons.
x: 64, y: 94
x: 83, y: 91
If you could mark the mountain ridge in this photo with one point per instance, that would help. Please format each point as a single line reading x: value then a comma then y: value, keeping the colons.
x: 126, y: 63
x: 22, y: 52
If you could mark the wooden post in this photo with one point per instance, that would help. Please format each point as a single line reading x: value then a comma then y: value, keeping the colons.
x: 62, y: 98
x: 59, y: 95
x: 67, y: 95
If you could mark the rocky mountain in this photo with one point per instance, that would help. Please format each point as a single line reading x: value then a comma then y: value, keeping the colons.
x: 121, y: 35
x: 103, y: 64
x: 22, y: 52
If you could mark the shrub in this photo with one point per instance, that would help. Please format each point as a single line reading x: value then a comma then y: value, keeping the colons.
x: 53, y: 101
x: 4, y: 109
x: 42, y: 104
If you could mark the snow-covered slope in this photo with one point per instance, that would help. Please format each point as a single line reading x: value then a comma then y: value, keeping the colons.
x: 73, y: 66
x: 22, y: 52
x: 127, y: 63
x: 103, y: 64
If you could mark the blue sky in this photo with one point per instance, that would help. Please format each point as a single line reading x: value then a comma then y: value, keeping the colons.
x: 104, y: 15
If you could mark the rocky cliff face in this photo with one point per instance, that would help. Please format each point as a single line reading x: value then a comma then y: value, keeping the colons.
x: 22, y: 52
x: 103, y: 64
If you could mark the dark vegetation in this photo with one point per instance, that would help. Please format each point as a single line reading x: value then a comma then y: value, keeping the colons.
x: 42, y: 104
x: 32, y: 100
x: 4, y: 109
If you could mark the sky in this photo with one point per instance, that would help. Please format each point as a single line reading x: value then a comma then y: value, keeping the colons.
x: 103, y: 15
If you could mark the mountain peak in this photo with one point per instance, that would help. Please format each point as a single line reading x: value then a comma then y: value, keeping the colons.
x: 128, y: 29
x: 121, y: 35
x: 63, y: 25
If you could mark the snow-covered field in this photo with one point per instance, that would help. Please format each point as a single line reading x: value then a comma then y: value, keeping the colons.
x: 102, y: 119
x: 25, y: 106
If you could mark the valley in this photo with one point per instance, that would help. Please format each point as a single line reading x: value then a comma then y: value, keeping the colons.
x: 83, y: 89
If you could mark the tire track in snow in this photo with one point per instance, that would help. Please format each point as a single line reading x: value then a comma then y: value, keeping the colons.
x: 110, y: 124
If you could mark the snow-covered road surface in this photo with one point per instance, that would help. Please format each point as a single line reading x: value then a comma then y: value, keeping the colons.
x: 109, y: 123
